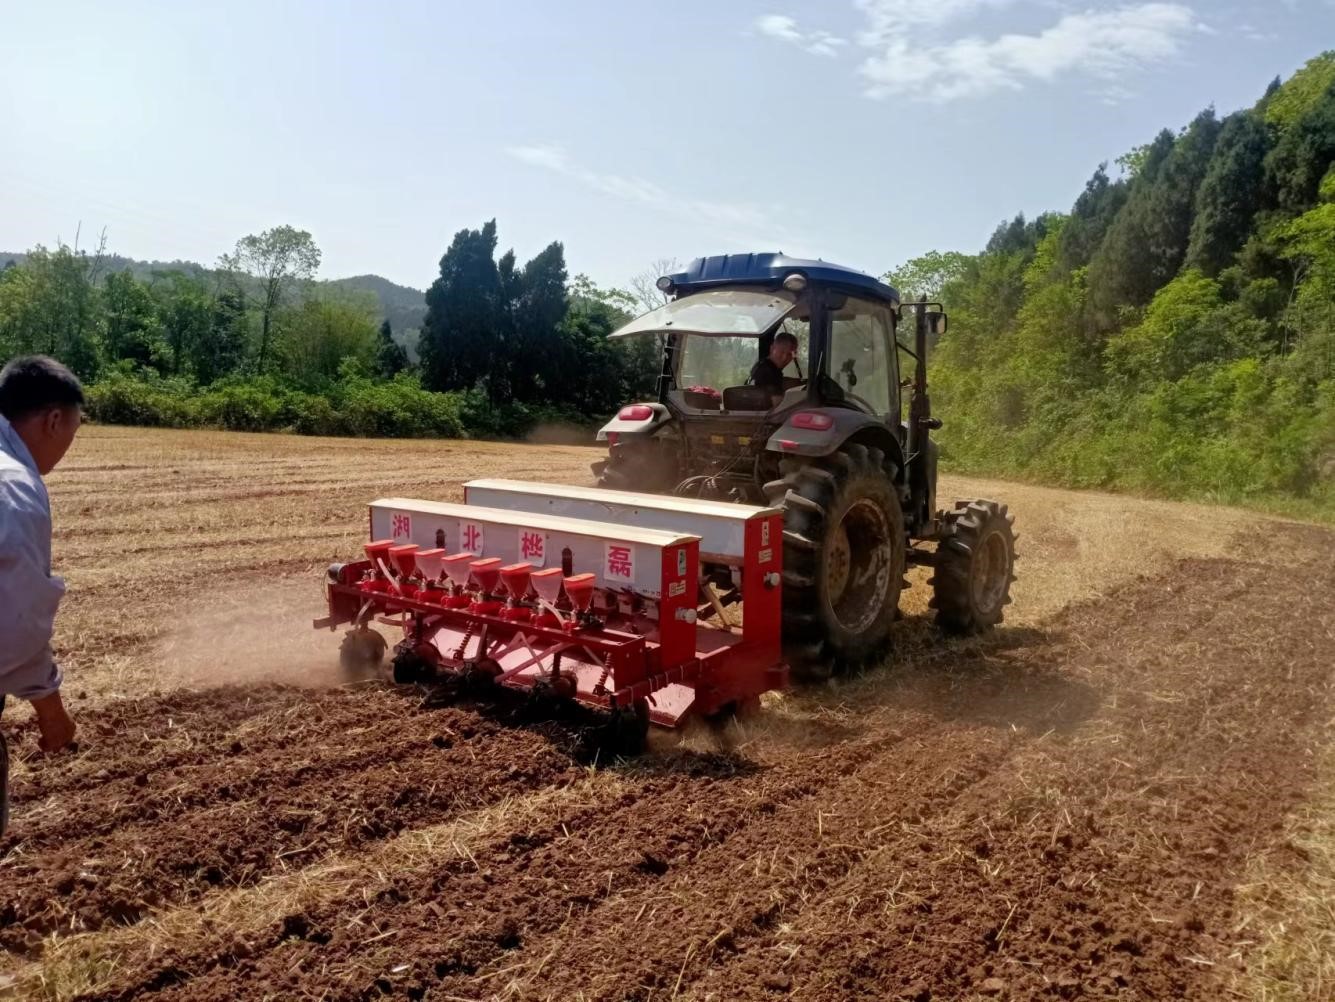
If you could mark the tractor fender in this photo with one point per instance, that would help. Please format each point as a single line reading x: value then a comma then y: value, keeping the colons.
x: 632, y: 420
x: 803, y: 434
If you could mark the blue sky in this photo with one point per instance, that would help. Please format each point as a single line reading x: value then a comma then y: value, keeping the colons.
x: 860, y: 131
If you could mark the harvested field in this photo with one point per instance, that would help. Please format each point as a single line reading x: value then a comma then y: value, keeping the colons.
x: 1090, y: 804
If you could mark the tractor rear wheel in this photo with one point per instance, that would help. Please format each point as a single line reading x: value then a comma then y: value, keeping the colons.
x: 975, y: 566
x: 637, y: 465
x: 843, y: 563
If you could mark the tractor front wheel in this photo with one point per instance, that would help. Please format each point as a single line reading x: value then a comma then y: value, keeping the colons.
x: 843, y: 565
x: 975, y: 566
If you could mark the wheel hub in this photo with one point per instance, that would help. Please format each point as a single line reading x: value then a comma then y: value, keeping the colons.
x: 991, y: 573
x: 857, y: 565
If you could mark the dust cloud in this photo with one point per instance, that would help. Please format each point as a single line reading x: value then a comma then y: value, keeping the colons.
x: 560, y: 433
x: 260, y: 634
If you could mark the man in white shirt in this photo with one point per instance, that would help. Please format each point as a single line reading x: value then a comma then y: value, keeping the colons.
x: 40, y: 411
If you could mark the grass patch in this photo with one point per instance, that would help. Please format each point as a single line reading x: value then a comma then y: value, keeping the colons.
x: 1288, y: 902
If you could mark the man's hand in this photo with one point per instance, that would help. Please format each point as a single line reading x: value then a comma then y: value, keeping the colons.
x: 56, y: 726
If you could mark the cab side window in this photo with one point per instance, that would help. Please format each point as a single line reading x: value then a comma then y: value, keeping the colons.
x: 862, y: 355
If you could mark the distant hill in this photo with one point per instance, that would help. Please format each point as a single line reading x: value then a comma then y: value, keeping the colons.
x: 140, y: 269
x: 403, y: 307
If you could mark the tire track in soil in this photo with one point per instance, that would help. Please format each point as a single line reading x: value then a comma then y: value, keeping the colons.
x: 243, y: 816
x: 745, y: 888
x: 153, y: 790
x: 534, y: 874
x: 1117, y: 881
x: 205, y: 715
x: 660, y: 829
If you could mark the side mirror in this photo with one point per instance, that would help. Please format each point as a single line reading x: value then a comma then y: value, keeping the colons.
x: 936, y: 323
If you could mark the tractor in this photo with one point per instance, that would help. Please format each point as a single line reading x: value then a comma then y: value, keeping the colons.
x: 835, y: 447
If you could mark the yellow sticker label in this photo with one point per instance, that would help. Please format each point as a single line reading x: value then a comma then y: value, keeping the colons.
x: 717, y: 440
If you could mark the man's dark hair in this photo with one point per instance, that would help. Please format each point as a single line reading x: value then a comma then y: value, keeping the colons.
x: 786, y: 336
x: 35, y: 383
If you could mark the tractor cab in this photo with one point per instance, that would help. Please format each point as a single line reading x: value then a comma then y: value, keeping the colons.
x: 763, y: 355
x: 726, y: 314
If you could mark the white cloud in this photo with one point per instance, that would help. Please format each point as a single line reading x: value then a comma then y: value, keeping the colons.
x: 1108, y: 46
x: 918, y: 50
x: 743, y: 223
x: 784, y: 28
x: 887, y: 19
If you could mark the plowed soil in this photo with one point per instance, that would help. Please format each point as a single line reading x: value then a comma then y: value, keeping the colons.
x: 1064, y: 809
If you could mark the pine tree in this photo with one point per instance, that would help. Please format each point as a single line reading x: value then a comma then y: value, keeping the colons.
x: 390, y: 357
x: 1231, y: 193
x: 1148, y: 239
x: 1090, y: 218
x: 542, y: 304
x: 463, y: 333
x: 1304, y: 152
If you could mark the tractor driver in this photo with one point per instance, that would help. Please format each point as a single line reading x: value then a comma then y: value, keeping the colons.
x: 768, y: 372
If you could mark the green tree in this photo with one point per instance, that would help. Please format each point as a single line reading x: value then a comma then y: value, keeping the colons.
x: 597, y: 374
x: 390, y: 358
x: 1231, y: 193
x: 464, y: 315
x: 1187, y: 324
x: 185, y: 309
x: 1308, y: 243
x: 1303, y: 153
x: 928, y: 274
x: 1147, y: 241
x: 1288, y: 102
x: 280, y: 259
x: 1091, y: 216
x: 132, y: 331
x: 51, y: 304
x: 537, y: 335
x: 321, y: 334
x: 221, y: 348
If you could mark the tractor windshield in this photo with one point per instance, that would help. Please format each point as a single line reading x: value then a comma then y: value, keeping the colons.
x: 716, y: 312
x: 709, y: 364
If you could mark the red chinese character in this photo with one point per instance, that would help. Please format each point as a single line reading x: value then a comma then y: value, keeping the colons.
x: 401, y: 525
x: 618, y: 562
x: 471, y: 538
x: 530, y: 545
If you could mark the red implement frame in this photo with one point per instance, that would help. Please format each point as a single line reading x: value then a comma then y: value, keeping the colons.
x: 609, y: 662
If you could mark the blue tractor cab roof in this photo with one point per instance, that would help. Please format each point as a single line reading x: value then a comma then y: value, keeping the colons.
x: 767, y: 269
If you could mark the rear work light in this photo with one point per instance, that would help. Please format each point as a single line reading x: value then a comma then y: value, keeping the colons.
x: 636, y: 412
x: 813, y: 421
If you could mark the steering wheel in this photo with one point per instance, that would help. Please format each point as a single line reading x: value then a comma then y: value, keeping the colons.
x: 863, y: 403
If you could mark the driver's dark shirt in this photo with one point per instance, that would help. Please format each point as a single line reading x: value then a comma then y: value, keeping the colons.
x: 769, y: 376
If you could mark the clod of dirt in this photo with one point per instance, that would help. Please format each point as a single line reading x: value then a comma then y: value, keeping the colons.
x: 992, y: 986
x: 141, y: 779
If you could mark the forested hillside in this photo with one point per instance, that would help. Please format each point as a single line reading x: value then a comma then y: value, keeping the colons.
x: 403, y: 306
x: 257, y: 343
x: 1174, y: 332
